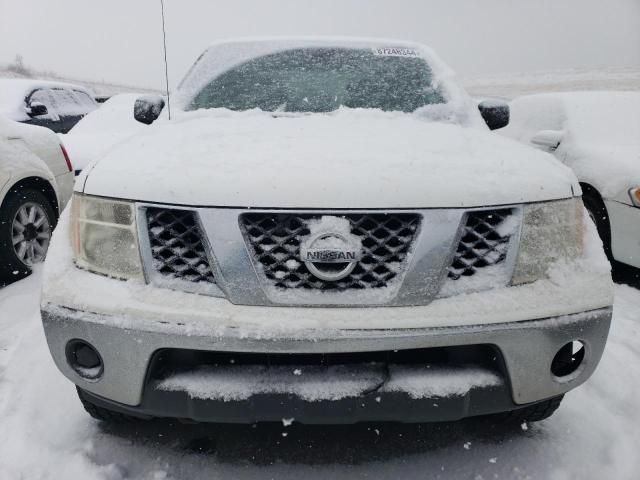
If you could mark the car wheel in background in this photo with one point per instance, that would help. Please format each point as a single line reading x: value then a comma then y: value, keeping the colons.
x: 27, y: 220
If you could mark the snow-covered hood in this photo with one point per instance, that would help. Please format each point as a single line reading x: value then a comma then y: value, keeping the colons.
x: 83, y: 148
x: 100, y: 130
x: 349, y: 159
x: 612, y: 169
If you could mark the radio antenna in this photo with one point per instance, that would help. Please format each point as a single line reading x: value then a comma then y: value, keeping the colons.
x: 166, y: 65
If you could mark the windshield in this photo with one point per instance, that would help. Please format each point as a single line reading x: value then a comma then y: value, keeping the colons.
x: 323, y: 80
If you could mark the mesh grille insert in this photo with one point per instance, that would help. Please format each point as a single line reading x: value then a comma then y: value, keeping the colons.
x: 177, y: 248
x: 484, y: 242
x: 275, y: 241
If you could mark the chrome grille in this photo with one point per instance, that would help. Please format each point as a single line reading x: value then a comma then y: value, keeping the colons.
x: 177, y: 246
x: 275, y: 240
x: 484, y: 242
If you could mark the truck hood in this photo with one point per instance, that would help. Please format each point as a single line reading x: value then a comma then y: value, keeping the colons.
x: 349, y: 159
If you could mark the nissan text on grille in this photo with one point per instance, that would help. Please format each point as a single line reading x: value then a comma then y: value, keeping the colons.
x: 324, y: 230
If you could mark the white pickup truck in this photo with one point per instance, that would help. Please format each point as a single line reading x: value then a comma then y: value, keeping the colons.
x: 325, y: 230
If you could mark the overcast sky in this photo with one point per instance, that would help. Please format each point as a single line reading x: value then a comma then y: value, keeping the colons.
x: 121, y: 40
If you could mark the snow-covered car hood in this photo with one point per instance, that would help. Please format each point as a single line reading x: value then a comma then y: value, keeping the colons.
x: 348, y: 159
x: 612, y: 169
x: 84, y: 148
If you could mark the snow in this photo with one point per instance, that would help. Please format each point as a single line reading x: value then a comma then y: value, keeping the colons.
x: 511, y: 85
x: 99, y: 87
x: 594, y: 434
x: 14, y: 90
x: 603, y: 117
x: 101, y: 130
x: 323, y: 161
x: 114, y: 115
x: 431, y: 382
x: 314, y: 384
x: 601, y: 141
x: 331, y: 224
x: 28, y: 150
x: 337, y: 382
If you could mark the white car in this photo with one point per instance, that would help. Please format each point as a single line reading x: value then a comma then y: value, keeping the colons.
x: 325, y: 230
x: 103, y: 128
x: 36, y: 181
x: 597, y: 134
x: 57, y: 106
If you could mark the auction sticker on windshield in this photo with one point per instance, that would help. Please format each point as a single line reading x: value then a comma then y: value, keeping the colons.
x: 395, y: 52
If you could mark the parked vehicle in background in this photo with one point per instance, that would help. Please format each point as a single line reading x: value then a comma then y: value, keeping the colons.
x: 55, y: 105
x: 103, y: 128
x: 36, y: 181
x: 597, y: 134
x: 101, y: 98
x: 325, y: 231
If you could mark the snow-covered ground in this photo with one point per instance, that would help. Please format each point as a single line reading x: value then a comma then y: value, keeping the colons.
x: 511, y: 85
x: 97, y: 87
x: 45, y: 434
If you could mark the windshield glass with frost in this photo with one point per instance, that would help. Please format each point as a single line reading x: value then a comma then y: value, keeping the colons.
x: 323, y: 80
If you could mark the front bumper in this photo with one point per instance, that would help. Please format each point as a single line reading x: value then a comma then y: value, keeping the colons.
x: 526, y: 347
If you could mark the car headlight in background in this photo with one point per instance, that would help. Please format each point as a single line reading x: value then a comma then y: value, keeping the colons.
x: 634, y: 193
x: 104, y: 236
x: 551, y: 231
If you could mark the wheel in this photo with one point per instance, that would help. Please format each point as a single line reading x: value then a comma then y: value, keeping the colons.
x: 105, y: 414
x: 26, y: 223
x: 532, y: 413
x: 598, y: 213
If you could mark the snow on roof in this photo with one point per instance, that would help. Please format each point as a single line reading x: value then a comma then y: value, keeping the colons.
x: 223, y: 55
x: 14, y: 90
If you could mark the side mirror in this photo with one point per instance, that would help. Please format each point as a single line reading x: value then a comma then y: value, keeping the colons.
x: 37, y: 109
x: 495, y: 113
x: 147, y: 109
x: 549, y: 139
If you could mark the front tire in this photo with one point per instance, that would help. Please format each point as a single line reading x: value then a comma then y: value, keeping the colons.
x: 104, y: 414
x: 27, y: 220
x: 532, y: 413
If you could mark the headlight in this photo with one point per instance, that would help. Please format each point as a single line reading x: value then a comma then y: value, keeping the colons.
x: 551, y: 231
x: 104, y: 236
x: 634, y: 193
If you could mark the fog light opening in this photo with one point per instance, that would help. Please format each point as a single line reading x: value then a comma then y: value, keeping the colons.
x: 568, y: 359
x: 84, y: 359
